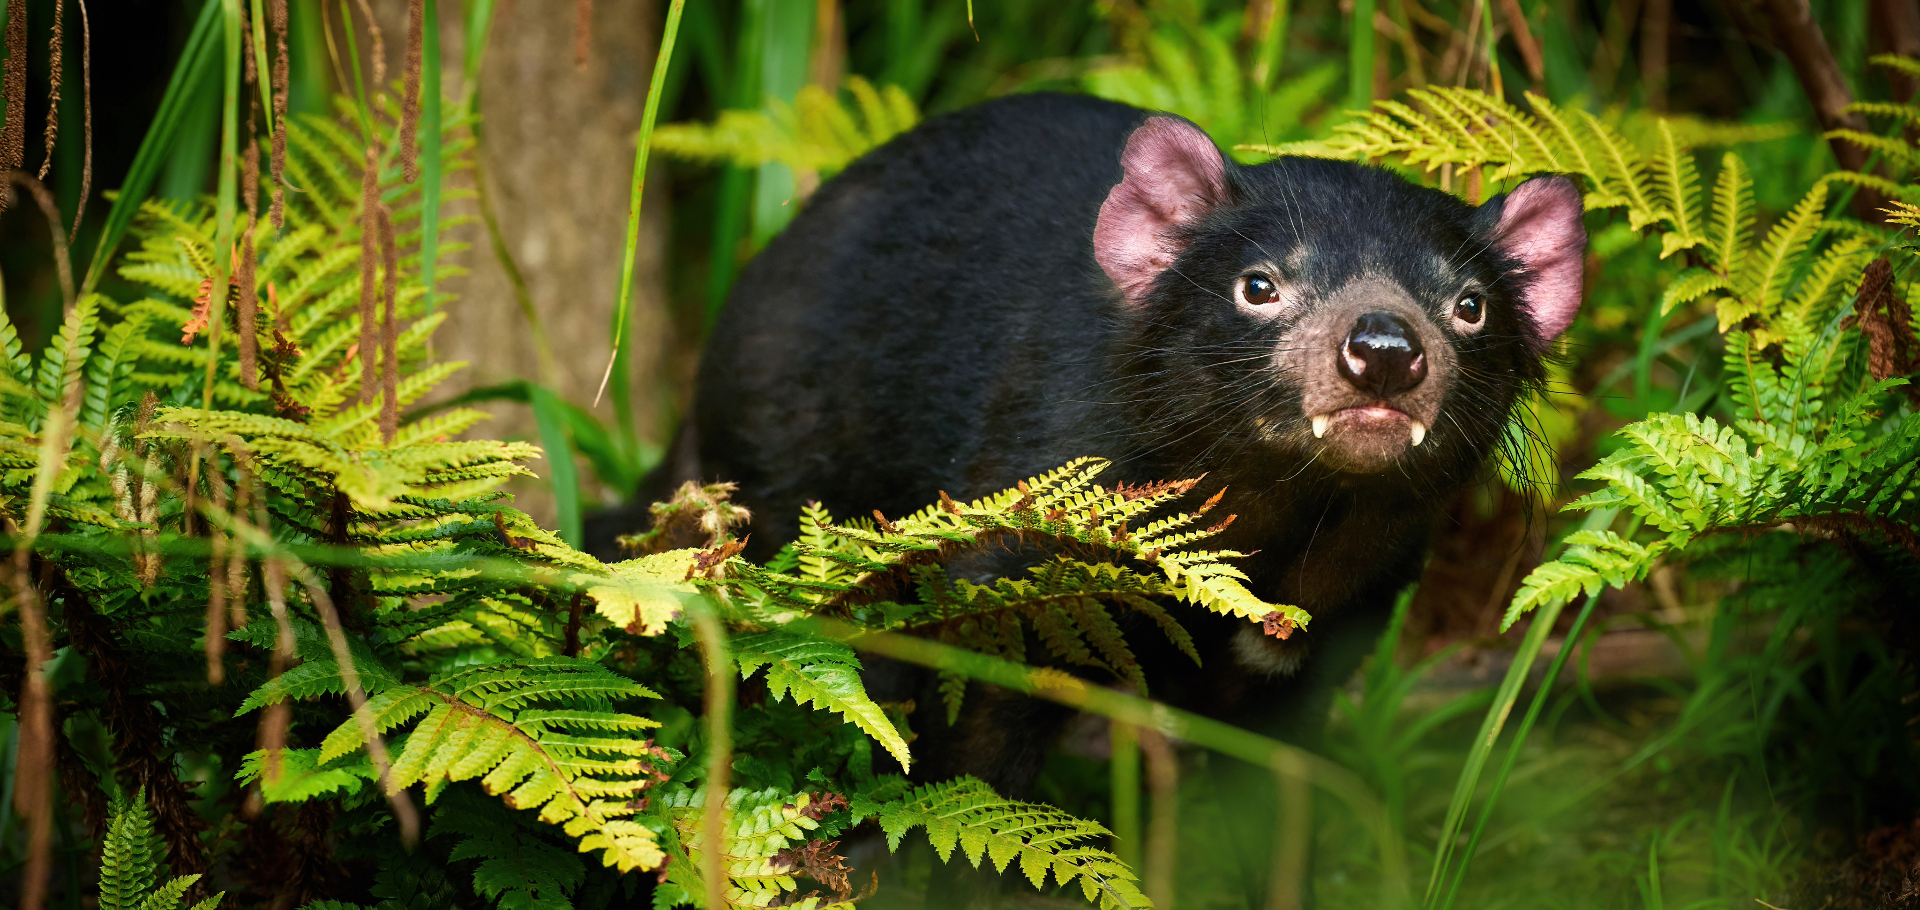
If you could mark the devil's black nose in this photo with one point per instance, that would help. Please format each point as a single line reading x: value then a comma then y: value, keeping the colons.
x: 1382, y: 355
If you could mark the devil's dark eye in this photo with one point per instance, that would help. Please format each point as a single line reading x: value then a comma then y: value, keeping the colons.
x: 1470, y: 309
x: 1257, y: 289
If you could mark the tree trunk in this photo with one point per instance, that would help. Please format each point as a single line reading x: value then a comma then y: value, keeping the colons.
x: 556, y: 153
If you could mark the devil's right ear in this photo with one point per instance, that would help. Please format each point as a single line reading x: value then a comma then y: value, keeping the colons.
x: 1174, y: 175
x: 1540, y: 224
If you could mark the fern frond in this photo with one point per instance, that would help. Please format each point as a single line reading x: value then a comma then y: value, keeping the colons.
x: 1679, y: 184
x: 1762, y: 281
x: 130, y: 859
x: 500, y: 724
x: 128, y: 855
x: 817, y: 132
x: 757, y: 847
x: 1594, y: 560
x: 1044, y: 840
x: 822, y: 673
x: 1692, y: 285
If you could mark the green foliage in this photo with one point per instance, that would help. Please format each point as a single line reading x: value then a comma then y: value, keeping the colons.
x: 424, y: 632
x: 1192, y: 70
x: 896, y: 575
x: 818, y: 133
x: 825, y: 674
x: 1044, y: 840
x: 757, y: 845
x: 130, y: 860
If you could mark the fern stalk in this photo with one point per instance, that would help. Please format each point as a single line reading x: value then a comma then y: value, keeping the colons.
x: 719, y: 709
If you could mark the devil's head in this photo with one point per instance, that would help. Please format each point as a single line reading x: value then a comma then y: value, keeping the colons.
x: 1315, y: 311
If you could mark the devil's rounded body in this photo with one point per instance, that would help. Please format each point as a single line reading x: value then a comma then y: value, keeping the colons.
x: 1043, y: 277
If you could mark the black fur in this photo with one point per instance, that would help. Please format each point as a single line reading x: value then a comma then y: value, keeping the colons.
x: 934, y: 319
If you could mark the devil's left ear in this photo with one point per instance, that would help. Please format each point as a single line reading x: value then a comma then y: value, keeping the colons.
x: 1172, y: 175
x: 1539, y: 224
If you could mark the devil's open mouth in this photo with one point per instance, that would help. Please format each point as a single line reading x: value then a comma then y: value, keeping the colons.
x: 1372, y: 419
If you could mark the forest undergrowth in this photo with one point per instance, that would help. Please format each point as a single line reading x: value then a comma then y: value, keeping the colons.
x: 276, y: 636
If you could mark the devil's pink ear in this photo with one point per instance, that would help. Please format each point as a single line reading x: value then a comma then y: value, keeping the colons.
x: 1174, y: 174
x: 1540, y: 225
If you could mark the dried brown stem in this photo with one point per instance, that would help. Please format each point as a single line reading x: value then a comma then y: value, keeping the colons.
x: 277, y: 17
x: 1896, y: 29
x: 272, y: 737
x: 379, y: 41
x: 13, y: 85
x: 390, y: 333
x: 572, y: 647
x: 247, y: 308
x: 410, y: 106
x: 403, y: 809
x: 53, y: 88
x: 243, y: 500
x: 1163, y: 787
x: 1523, y: 39
x: 51, y: 210
x: 33, y: 771
x: 1656, y: 25
x: 218, y: 542
x: 86, y: 130
x: 369, y: 249
x: 829, y: 56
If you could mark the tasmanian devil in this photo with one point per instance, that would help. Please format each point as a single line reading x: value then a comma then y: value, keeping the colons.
x: 1042, y: 277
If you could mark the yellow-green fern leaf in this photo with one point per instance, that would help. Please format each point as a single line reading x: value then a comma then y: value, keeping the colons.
x: 822, y: 673
x: 1732, y: 226
x: 1690, y: 286
x: 1626, y: 172
x: 967, y: 814
x: 1764, y: 279
x: 1679, y: 185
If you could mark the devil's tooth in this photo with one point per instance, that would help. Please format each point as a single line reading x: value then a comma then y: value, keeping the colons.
x: 1320, y: 422
x: 1419, y: 431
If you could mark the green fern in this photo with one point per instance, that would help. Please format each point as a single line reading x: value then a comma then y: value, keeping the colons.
x: 130, y: 859
x: 1192, y: 71
x: 822, y: 673
x: 816, y: 133
x: 756, y: 847
x: 1043, y: 840
x: 894, y: 574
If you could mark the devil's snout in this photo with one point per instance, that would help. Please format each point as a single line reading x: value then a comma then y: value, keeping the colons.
x: 1382, y: 355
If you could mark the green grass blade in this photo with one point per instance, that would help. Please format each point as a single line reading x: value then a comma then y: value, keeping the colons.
x: 479, y: 25
x: 1123, y: 777
x: 1459, y: 875
x: 1273, y: 45
x: 158, y: 144
x: 262, y: 81
x: 432, y: 168
x: 226, y: 209
x: 1360, y: 45
x: 551, y: 417
x: 624, y: 305
x: 359, y: 80
x: 1496, y: 718
x: 1490, y: 727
